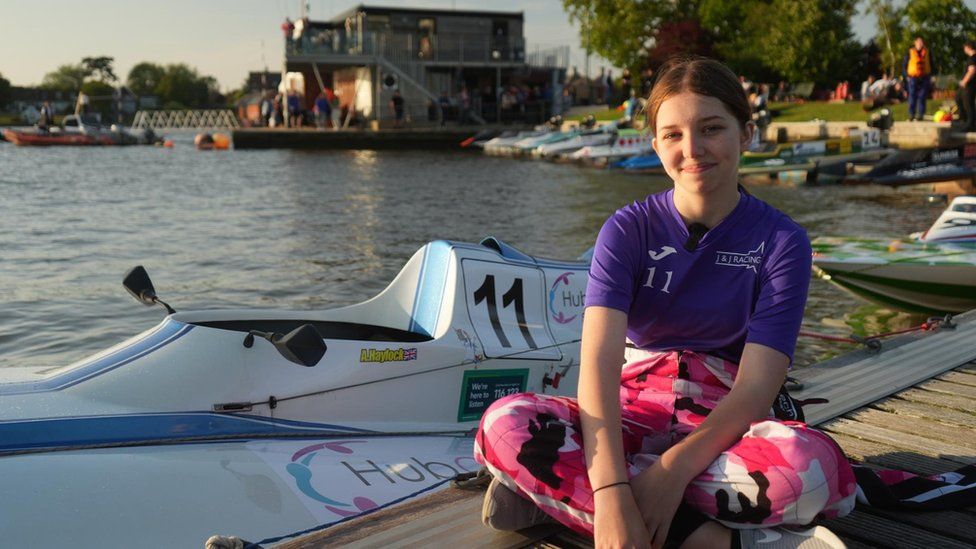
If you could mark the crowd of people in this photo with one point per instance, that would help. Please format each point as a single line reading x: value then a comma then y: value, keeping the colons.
x: 604, y: 88
x: 913, y: 86
x: 514, y: 102
x: 281, y: 109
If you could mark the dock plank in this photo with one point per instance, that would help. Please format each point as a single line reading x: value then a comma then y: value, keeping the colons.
x: 958, y: 525
x: 949, y: 416
x: 943, y: 400
x: 905, y: 441
x: 901, y: 423
x: 891, y: 457
x: 457, y: 510
x: 948, y: 388
x: 956, y: 376
x: 886, y: 532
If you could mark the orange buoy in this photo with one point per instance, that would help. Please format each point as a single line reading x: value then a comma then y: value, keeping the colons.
x: 168, y: 143
x: 221, y: 141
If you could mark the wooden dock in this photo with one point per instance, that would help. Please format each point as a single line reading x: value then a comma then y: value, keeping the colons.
x: 911, y: 407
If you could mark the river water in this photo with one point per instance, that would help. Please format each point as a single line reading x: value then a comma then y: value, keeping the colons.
x: 309, y: 230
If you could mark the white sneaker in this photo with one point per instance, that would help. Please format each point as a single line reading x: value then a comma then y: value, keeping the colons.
x: 786, y: 537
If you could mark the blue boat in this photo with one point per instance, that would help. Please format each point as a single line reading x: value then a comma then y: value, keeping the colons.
x: 642, y: 162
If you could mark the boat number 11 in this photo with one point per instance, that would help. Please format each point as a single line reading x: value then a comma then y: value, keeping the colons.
x: 514, y: 297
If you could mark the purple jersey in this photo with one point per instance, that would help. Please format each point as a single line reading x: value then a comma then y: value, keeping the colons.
x: 746, y: 281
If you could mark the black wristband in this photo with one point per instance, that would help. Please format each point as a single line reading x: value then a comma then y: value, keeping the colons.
x: 612, y: 484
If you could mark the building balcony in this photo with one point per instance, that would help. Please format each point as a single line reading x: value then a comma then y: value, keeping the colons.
x: 337, y: 45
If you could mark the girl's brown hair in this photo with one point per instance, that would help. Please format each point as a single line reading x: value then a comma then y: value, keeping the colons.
x: 699, y: 75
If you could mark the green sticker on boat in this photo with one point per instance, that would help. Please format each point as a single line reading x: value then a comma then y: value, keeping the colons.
x: 480, y: 388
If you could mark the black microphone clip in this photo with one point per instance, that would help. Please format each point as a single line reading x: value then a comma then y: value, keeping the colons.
x: 695, y: 233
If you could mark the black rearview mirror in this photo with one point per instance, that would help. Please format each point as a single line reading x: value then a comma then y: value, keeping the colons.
x: 138, y: 284
x: 303, y: 345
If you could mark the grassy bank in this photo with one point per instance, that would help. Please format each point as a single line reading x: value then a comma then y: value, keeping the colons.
x: 10, y: 120
x: 837, y: 112
x: 801, y: 112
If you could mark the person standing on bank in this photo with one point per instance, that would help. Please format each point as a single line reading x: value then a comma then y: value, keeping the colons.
x: 698, y: 292
x: 396, y: 105
x: 966, y: 98
x: 46, y: 117
x: 918, y: 69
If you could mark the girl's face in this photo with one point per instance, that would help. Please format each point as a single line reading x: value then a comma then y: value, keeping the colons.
x: 699, y: 142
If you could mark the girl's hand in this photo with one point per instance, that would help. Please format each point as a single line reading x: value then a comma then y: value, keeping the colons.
x: 617, y: 521
x: 658, y: 493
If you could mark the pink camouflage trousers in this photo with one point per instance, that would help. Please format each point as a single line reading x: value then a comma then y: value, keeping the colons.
x: 780, y: 472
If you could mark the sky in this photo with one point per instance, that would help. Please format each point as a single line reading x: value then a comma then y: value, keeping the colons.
x: 222, y: 38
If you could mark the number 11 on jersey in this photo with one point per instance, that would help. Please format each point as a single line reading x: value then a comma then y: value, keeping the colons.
x: 650, y: 279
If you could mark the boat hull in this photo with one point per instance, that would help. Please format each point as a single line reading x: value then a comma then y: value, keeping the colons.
x: 180, y: 495
x: 908, y: 275
x: 36, y: 139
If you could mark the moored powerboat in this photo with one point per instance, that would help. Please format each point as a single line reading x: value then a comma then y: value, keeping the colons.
x: 460, y: 326
x: 933, y: 272
x: 860, y: 146
x: 957, y: 224
x: 84, y: 130
x: 627, y: 143
x: 915, y: 166
x: 267, y: 424
x: 595, y: 137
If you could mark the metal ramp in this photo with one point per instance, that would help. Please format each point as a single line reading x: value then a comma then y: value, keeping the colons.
x: 186, y: 120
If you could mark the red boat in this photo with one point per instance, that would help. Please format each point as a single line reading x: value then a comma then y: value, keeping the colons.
x: 76, y: 131
x: 39, y: 138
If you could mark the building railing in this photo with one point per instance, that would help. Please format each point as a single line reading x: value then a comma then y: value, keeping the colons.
x: 447, y: 48
x: 552, y: 58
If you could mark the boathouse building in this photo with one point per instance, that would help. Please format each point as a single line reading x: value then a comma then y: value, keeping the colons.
x: 447, y: 64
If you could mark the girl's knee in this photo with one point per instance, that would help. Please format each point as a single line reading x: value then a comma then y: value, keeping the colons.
x: 516, y: 416
x: 510, y: 408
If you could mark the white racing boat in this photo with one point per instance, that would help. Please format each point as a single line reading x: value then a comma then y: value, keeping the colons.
x: 627, y: 143
x: 600, y: 136
x: 530, y: 144
x: 506, y: 145
x: 217, y: 421
x: 933, y: 272
x: 957, y: 224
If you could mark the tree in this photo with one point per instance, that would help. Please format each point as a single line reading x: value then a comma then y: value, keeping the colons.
x: 182, y: 86
x: 945, y: 25
x: 4, y: 91
x: 66, y: 78
x: 144, y: 78
x: 800, y: 40
x: 890, y: 25
x: 100, y: 67
x: 679, y: 37
x: 622, y: 31
x: 810, y: 40
x: 735, y: 35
